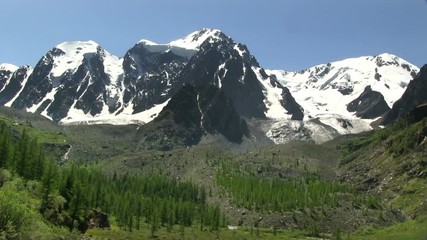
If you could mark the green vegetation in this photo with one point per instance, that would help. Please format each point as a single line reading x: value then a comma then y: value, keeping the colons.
x: 281, y: 195
x: 192, y: 233
x: 392, y: 162
x: 408, y: 230
x: 68, y: 195
x: 399, y: 139
x: 273, y: 194
x: 19, y: 211
x: 404, y: 137
x: 43, y: 137
x: 412, y: 200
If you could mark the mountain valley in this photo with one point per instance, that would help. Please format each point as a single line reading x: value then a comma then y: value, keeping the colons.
x: 194, y: 139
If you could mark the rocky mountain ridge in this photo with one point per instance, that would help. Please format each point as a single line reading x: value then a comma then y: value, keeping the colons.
x: 81, y: 83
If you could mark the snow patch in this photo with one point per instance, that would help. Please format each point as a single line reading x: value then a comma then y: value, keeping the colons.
x: 273, y: 95
x: 78, y: 117
x: 8, y: 67
x: 184, y: 47
x: 202, y: 115
x: 73, y: 57
x: 49, y: 96
x: 237, y: 48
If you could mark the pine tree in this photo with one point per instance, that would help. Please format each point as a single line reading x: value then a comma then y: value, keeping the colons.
x: 77, y: 203
x: 6, y: 150
x: 48, y: 182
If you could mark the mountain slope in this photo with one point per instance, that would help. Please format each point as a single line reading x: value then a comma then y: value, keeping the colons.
x: 74, y: 75
x: 391, y: 163
x: 328, y: 88
x: 81, y: 83
x: 231, y: 67
x: 6, y: 71
x: 14, y: 82
x: 370, y: 104
x: 342, y: 97
x: 414, y: 96
x: 191, y: 113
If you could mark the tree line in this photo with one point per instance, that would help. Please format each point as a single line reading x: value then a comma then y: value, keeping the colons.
x: 277, y: 194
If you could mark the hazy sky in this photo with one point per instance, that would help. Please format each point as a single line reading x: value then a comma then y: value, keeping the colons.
x: 281, y: 34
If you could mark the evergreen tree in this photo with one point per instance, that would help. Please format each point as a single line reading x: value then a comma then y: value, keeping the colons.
x: 48, y: 182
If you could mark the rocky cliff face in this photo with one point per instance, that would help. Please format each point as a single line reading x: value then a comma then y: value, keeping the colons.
x: 6, y: 71
x: 149, y: 77
x: 414, y: 95
x: 193, y: 112
x: 369, y: 105
x: 14, y: 83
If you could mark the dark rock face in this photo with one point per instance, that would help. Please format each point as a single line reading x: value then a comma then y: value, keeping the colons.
x: 39, y: 83
x: 418, y: 113
x: 15, y: 84
x: 231, y: 67
x: 346, y: 91
x: 95, y: 96
x: 222, y: 63
x: 149, y: 76
x: 288, y: 101
x: 370, y: 104
x: 221, y: 116
x: 86, y: 86
x: 197, y: 110
x: 98, y: 219
x: 4, y: 76
x: 414, y: 95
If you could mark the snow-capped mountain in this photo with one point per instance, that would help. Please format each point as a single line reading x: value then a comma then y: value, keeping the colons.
x: 82, y: 83
x: 328, y: 88
x: 345, y: 96
x: 185, y: 47
x: 6, y: 71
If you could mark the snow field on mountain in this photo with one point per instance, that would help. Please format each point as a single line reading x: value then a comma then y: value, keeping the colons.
x: 317, y: 89
x: 73, y: 57
x: 275, y: 110
x: 185, y: 47
x: 77, y: 116
x: 8, y: 67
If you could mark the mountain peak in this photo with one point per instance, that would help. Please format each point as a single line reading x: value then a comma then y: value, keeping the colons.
x: 186, y: 46
x: 76, y: 47
x: 387, y: 59
x: 345, y: 80
x: 386, y: 56
x: 195, y: 39
x: 8, y: 67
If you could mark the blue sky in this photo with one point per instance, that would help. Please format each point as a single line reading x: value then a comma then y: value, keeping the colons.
x: 281, y: 34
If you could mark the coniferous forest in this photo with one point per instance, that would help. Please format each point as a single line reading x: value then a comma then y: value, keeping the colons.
x: 72, y: 196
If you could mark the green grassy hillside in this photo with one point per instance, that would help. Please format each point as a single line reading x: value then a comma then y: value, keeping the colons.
x: 366, y: 186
